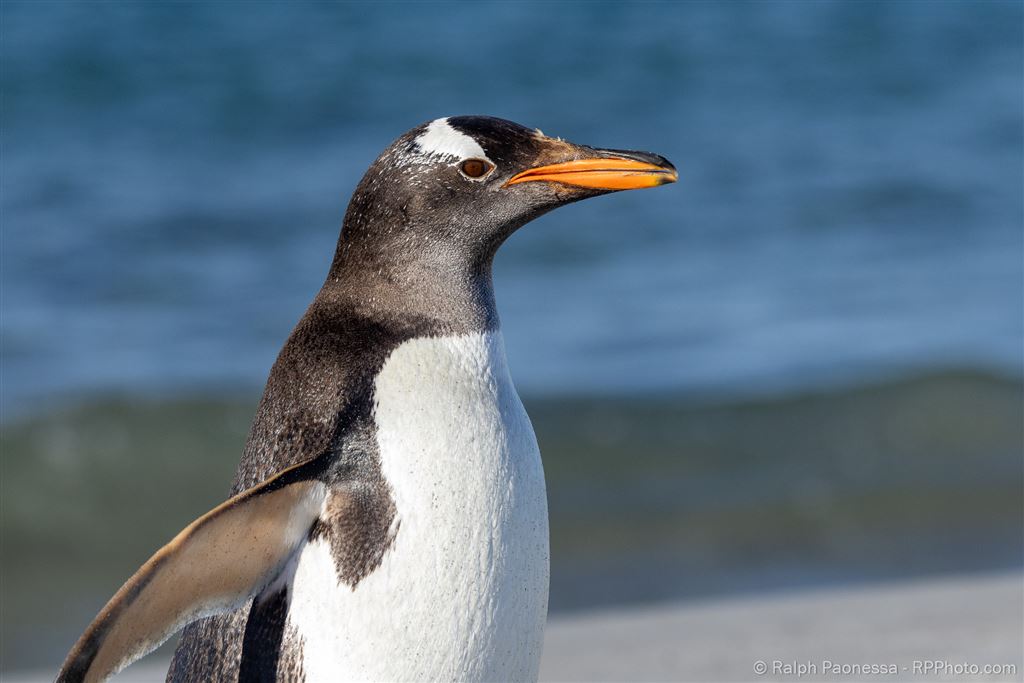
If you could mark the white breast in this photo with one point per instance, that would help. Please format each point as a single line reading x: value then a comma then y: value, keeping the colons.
x: 462, y: 594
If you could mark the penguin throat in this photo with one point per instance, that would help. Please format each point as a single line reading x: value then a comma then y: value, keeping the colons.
x: 453, y: 295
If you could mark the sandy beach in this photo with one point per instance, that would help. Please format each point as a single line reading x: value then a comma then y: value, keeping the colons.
x: 974, y: 620
x: 922, y: 630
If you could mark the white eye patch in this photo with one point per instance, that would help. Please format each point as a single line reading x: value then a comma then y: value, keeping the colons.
x: 440, y: 139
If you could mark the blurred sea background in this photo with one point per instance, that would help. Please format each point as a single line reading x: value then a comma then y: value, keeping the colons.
x: 801, y: 365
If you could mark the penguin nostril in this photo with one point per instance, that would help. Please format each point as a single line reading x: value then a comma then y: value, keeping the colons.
x: 475, y: 168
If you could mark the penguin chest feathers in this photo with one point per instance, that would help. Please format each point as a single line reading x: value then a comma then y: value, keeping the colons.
x: 462, y: 592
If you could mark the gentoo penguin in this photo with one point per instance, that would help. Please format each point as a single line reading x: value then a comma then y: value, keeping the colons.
x: 389, y: 517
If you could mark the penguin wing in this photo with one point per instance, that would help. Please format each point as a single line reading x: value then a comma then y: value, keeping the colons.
x: 214, y: 565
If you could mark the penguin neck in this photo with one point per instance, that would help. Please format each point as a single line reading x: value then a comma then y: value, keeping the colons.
x: 439, y: 290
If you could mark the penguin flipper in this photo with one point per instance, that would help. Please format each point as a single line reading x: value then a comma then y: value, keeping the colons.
x: 214, y: 565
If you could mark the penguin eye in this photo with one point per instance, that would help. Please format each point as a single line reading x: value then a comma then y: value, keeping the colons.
x: 475, y: 168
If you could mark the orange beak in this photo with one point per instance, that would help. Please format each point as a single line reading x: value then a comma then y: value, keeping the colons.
x: 602, y: 173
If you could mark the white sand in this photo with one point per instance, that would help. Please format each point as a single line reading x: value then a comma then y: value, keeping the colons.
x: 976, y: 620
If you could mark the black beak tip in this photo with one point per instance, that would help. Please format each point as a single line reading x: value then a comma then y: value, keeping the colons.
x: 646, y: 157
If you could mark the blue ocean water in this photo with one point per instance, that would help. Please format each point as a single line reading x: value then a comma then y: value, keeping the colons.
x: 850, y: 203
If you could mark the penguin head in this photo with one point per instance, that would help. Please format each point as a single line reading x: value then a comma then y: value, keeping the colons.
x: 461, y: 185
